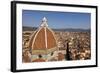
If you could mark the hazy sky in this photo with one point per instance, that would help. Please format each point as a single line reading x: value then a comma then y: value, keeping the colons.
x: 56, y: 19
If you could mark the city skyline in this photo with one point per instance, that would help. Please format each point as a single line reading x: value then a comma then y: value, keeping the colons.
x: 57, y: 20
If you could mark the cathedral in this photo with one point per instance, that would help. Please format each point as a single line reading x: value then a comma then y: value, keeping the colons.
x: 43, y: 44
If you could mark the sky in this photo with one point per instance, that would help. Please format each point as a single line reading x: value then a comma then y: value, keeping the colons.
x: 57, y: 20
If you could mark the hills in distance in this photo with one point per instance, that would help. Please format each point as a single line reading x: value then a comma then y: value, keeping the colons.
x: 27, y: 28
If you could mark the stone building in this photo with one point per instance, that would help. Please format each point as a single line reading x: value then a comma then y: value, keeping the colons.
x: 42, y: 44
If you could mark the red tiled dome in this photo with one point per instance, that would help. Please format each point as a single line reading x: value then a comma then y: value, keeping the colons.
x: 43, y: 40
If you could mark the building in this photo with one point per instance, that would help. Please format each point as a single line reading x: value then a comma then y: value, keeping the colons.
x: 43, y: 44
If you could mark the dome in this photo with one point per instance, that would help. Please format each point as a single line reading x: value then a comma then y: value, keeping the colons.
x: 43, y: 40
